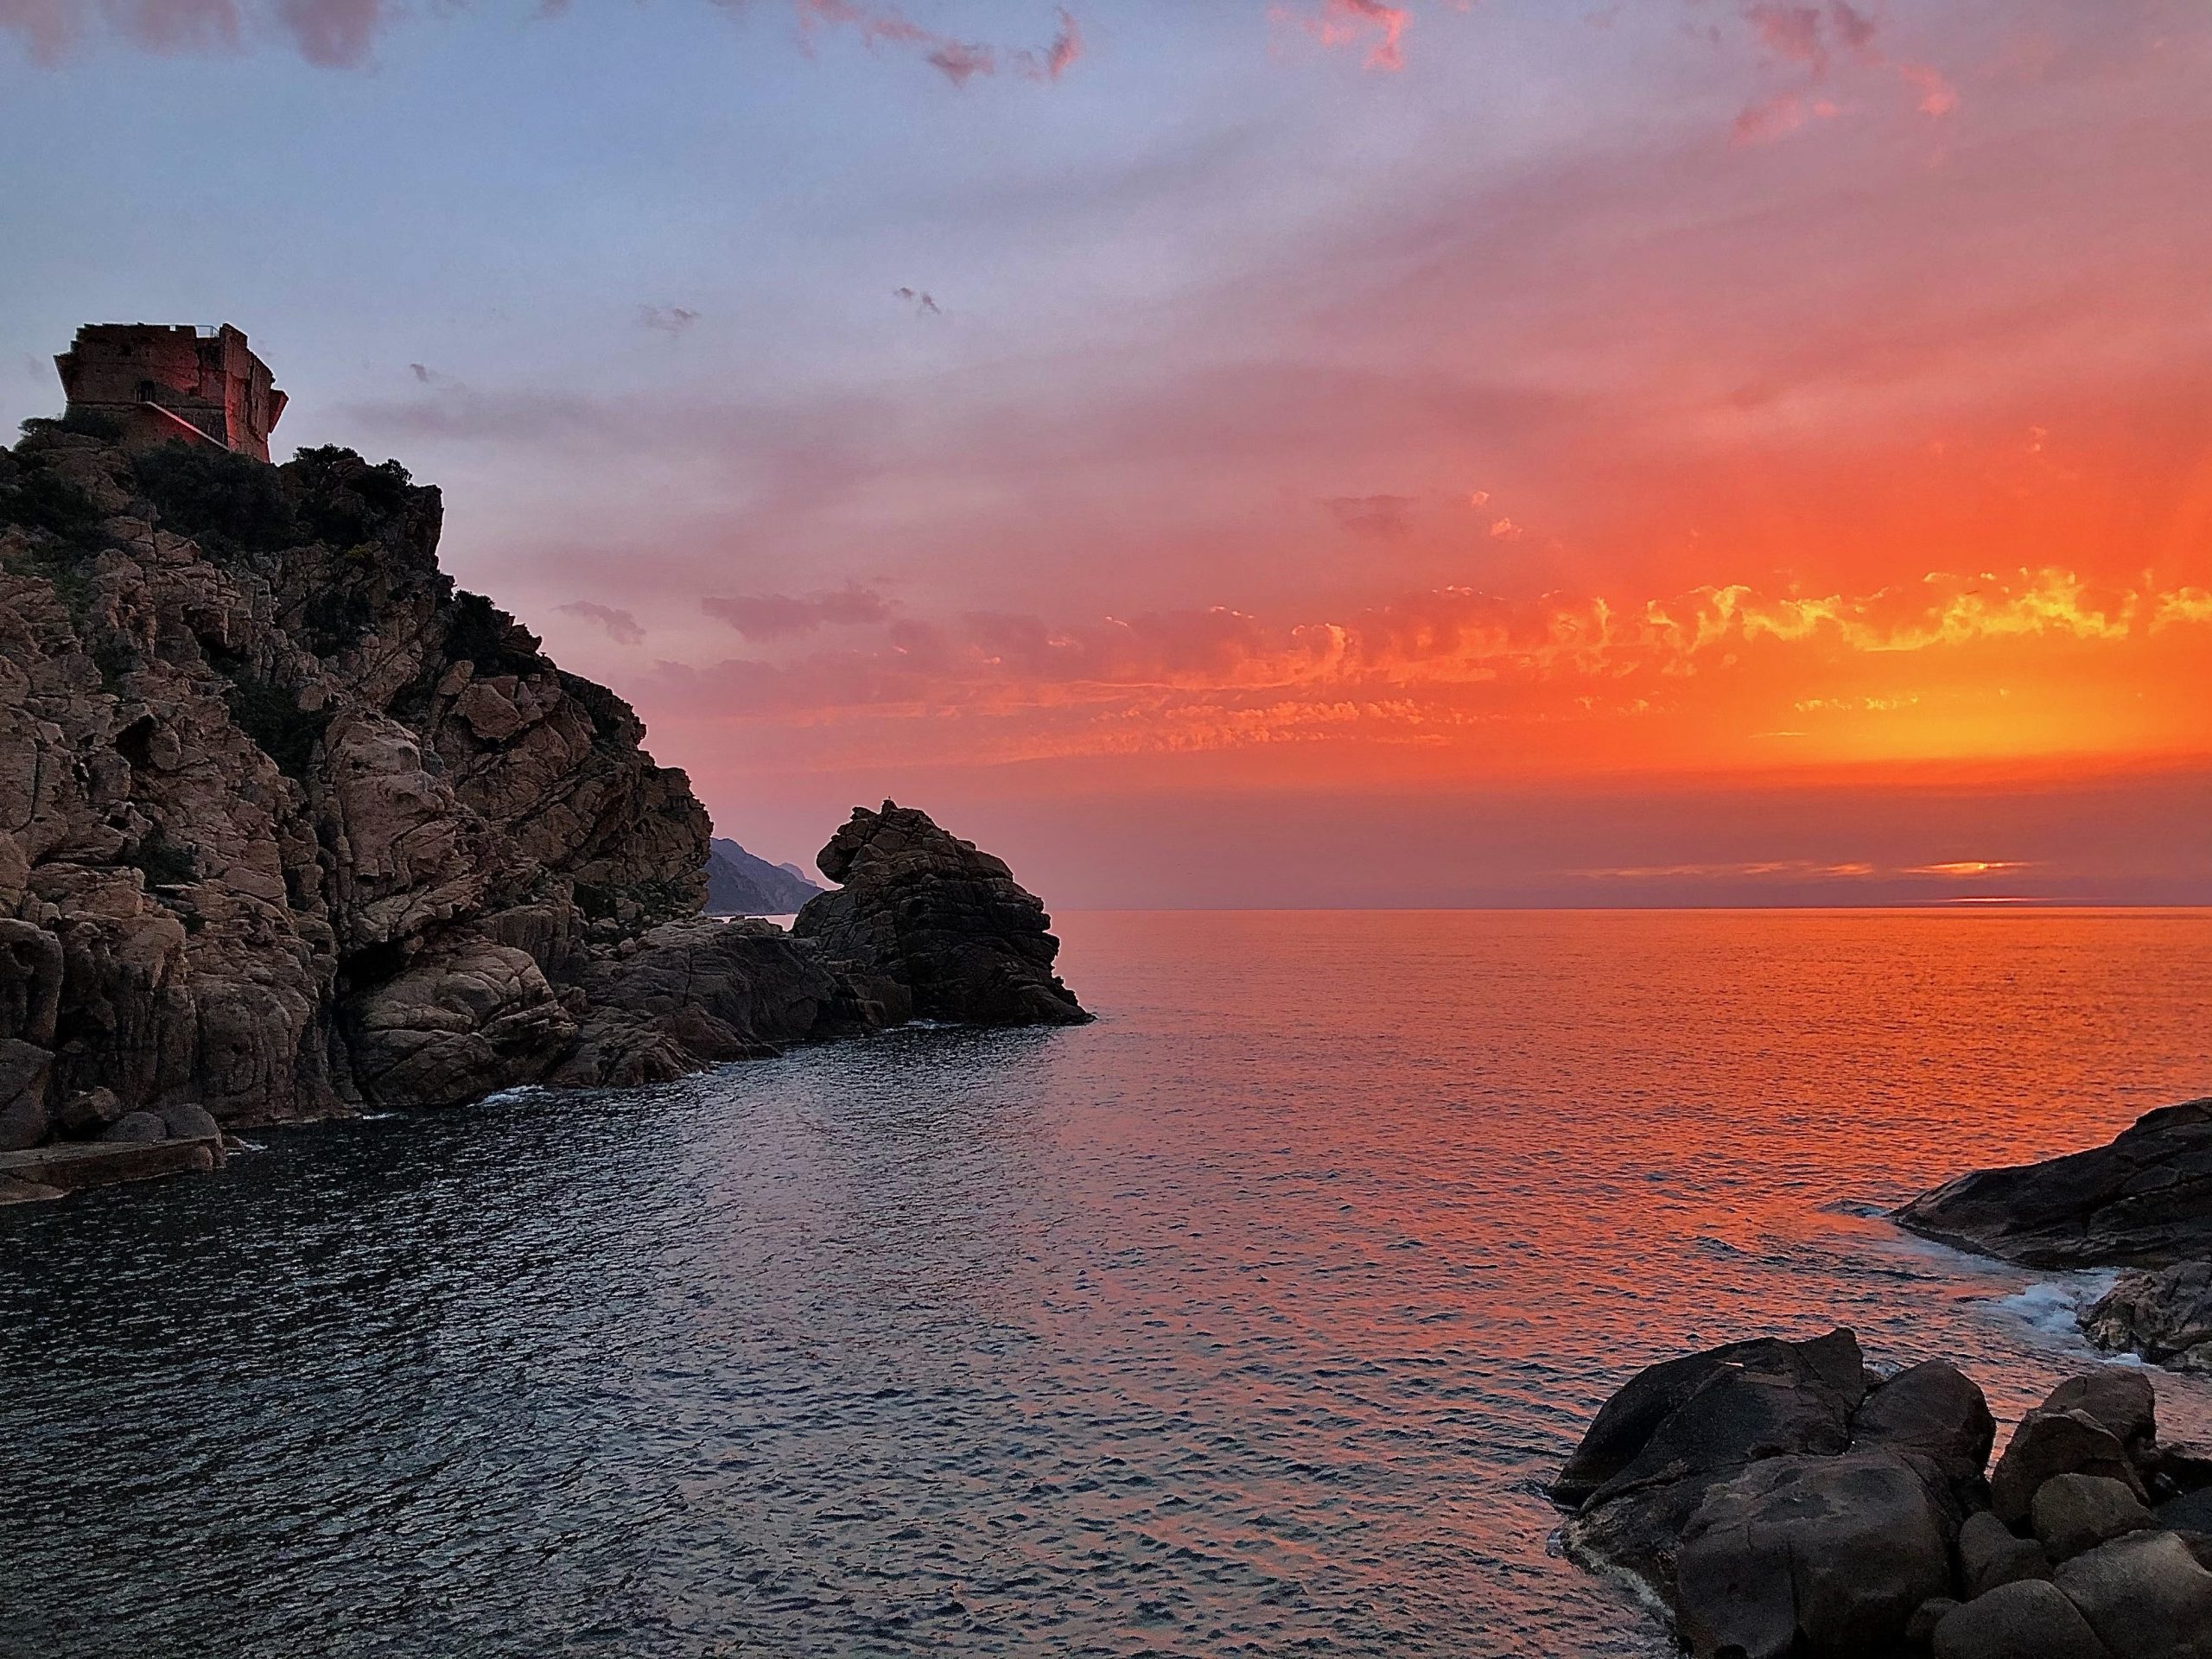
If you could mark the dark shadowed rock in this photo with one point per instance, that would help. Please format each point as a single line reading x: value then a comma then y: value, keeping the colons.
x: 1822, y: 1557
x: 466, y: 1020
x: 136, y: 1126
x: 1935, y: 1409
x: 928, y: 912
x: 2144, y: 1595
x: 2123, y: 1400
x: 2144, y: 1200
x: 1677, y: 1430
x: 699, y: 993
x: 24, y: 1068
x: 1625, y: 1424
x: 2028, y: 1619
x: 2165, y: 1315
x: 2048, y: 1443
x: 2075, y: 1513
x: 1990, y: 1554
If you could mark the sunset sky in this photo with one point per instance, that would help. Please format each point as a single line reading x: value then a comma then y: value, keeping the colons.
x: 1218, y: 452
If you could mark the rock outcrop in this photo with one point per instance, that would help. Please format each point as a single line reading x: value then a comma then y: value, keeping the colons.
x: 289, y: 826
x: 1784, y: 1503
x: 931, y: 913
x: 2143, y: 1200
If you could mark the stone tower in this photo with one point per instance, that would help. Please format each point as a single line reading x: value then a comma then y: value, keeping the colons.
x: 165, y: 384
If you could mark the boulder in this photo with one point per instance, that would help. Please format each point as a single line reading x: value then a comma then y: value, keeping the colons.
x: 469, y: 1019
x: 931, y: 913
x: 2164, y: 1314
x: 1935, y: 1409
x: 2030, y: 1619
x: 1815, y: 1557
x: 2075, y: 1513
x: 2048, y: 1443
x: 30, y: 982
x: 2121, y: 1399
x: 1991, y: 1556
x: 188, y: 1120
x: 83, y: 1116
x: 136, y: 1126
x: 2144, y: 1595
x: 1827, y: 1366
x: 1676, y: 1430
x: 2143, y: 1200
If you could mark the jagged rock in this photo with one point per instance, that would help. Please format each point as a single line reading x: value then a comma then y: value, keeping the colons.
x: 700, y: 992
x: 2166, y: 1316
x: 24, y: 1068
x: 2144, y: 1595
x: 469, y: 1019
x: 2143, y: 1200
x: 2048, y: 1443
x: 937, y: 916
x: 1990, y: 1554
x: 258, y: 759
x: 1814, y: 1556
x: 2029, y: 1619
x: 30, y: 973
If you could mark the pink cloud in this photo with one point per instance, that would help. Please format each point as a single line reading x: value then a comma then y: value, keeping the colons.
x: 335, y: 33
x: 1937, y: 96
x: 1347, y: 22
x: 775, y: 616
x: 1783, y: 114
x: 1053, y: 61
x: 620, y: 626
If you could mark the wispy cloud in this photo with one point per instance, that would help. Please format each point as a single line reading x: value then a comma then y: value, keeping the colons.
x: 1377, y: 518
x: 777, y: 616
x: 673, y: 319
x: 1380, y: 28
x: 619, y: 626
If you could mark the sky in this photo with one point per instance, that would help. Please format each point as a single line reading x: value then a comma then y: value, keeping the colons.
x: 1316, y: 452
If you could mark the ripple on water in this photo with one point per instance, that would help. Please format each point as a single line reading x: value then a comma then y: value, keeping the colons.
x: 1248, y: 1320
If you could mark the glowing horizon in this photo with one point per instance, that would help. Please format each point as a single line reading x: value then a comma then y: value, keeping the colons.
x: 1108, y: 429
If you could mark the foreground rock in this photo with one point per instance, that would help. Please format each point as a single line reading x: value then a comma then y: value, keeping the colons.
x: 2144, y: 1200
x: 931, y: 913
x: 1784, y: 1503
x: 290, y: 827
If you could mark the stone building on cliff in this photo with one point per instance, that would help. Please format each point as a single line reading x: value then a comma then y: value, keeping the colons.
x: 163, y: 383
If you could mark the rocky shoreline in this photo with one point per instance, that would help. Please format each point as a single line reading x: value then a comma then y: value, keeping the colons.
x: 1780, y: 1500
x: 2143, y: 1202
x: 291, y: 827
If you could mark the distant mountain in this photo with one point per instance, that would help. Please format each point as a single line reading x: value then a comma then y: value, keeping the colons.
x: 738, y: 884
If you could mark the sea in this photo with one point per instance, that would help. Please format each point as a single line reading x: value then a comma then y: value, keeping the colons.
x: 1250, y: 1320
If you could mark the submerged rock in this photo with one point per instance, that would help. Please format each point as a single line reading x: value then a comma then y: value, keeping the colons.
x: 929, y: 912
x: 2143, y: 1200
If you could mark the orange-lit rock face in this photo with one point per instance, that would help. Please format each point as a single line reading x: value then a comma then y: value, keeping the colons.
x: 165, y: 384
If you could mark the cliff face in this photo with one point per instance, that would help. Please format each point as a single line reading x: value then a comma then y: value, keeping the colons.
x: 287, y: 823
x: 288, y: 826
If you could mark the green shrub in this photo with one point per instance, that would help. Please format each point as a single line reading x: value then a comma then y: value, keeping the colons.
x: 227, y: 503
x: 342, y: 499
x: 476, y: 632
x: 272, y: 717
x: 163, y: 862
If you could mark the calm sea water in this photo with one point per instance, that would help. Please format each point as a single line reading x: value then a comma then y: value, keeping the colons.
x: 1247, y: 1320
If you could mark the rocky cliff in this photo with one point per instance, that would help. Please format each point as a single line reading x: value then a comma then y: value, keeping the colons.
x: 289, y: 825
x: 741, y: 884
